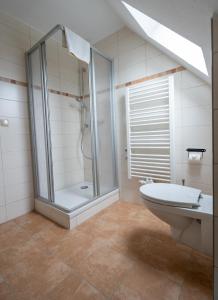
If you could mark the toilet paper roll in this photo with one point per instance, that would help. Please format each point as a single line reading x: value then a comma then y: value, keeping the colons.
x: 195, y: 156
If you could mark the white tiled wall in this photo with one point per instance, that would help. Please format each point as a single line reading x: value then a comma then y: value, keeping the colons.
x: 193, y: 129
x: 67, y: 158
x: 135, y: 58
x: 215, y: 149
x: 63, y: 75
x: 16, y: 187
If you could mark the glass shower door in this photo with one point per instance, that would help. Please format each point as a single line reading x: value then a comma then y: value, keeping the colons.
x: 104, y: 120
x: 39, y: 126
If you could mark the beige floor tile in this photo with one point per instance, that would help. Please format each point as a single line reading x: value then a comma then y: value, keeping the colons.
x: 145, y: 283
x: 195, y: 291
x: 6, y: 292
x: 10, y: 257
x: 73, y: 248
x: 65, y: 289
x: 16, y: 236
x: 37, y: 275
x: 87, y: 292
x: 105, y: 269
x: 33, y: 222
x: 7, y: 227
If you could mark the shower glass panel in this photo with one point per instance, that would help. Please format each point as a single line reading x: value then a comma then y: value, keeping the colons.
x: 105, y: 123
x: 39, y: 126
x: 71, y: 105
x: 68, y: 98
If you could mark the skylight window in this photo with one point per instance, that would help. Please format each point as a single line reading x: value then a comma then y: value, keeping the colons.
x: 172, y: 41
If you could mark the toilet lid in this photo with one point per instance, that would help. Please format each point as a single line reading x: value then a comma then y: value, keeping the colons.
x: 171, y: 194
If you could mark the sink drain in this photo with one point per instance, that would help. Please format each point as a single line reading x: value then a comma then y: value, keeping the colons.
x: 83, y: 187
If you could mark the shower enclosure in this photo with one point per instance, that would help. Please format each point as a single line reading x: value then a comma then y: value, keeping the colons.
x: 72, y: 123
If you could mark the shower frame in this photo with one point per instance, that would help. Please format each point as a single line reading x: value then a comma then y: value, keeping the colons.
x: 41, y: 46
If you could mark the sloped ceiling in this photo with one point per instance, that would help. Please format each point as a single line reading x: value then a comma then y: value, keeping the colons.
x: 92, y: 19
x: 189, y: 18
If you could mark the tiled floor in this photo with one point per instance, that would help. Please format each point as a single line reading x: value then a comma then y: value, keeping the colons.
x: 122, y: 253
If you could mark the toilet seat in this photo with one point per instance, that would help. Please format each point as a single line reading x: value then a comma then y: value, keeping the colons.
x: 171, y: 194
x: 188, y: 212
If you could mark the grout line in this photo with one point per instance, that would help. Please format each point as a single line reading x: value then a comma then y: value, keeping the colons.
x: 14, y: 100
x: 21, y: 199
x: 84, y: 280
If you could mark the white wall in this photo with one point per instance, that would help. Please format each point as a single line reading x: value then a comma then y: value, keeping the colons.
x: 135, y: 58
x: 16, y: 187
x: 193, y: 122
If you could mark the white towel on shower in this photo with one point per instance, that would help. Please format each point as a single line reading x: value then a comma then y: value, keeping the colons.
x: 77, y: 45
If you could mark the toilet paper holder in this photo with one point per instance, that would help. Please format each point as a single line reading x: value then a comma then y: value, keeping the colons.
x: 201, y: 150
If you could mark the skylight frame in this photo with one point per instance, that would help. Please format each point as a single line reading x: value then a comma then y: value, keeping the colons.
x: 173, y: 42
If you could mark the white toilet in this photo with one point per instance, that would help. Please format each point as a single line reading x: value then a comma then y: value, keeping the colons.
x: 185, y: 209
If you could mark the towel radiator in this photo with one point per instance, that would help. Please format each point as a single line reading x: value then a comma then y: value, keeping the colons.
x: 149, y: 117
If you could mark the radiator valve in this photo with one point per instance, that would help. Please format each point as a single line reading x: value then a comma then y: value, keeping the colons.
x: 147, y: 180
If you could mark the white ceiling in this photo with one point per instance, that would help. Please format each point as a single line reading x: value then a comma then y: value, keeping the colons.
x: 92, y: 19
x: 96, y: 19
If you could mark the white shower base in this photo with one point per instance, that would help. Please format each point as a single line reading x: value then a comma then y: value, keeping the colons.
x: 74, y: 197
x: 71, y: 219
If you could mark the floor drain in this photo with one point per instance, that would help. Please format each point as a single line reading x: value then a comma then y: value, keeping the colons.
x: 83, y: 187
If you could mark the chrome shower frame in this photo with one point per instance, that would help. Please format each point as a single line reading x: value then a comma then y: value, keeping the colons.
x: 41, y: 46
